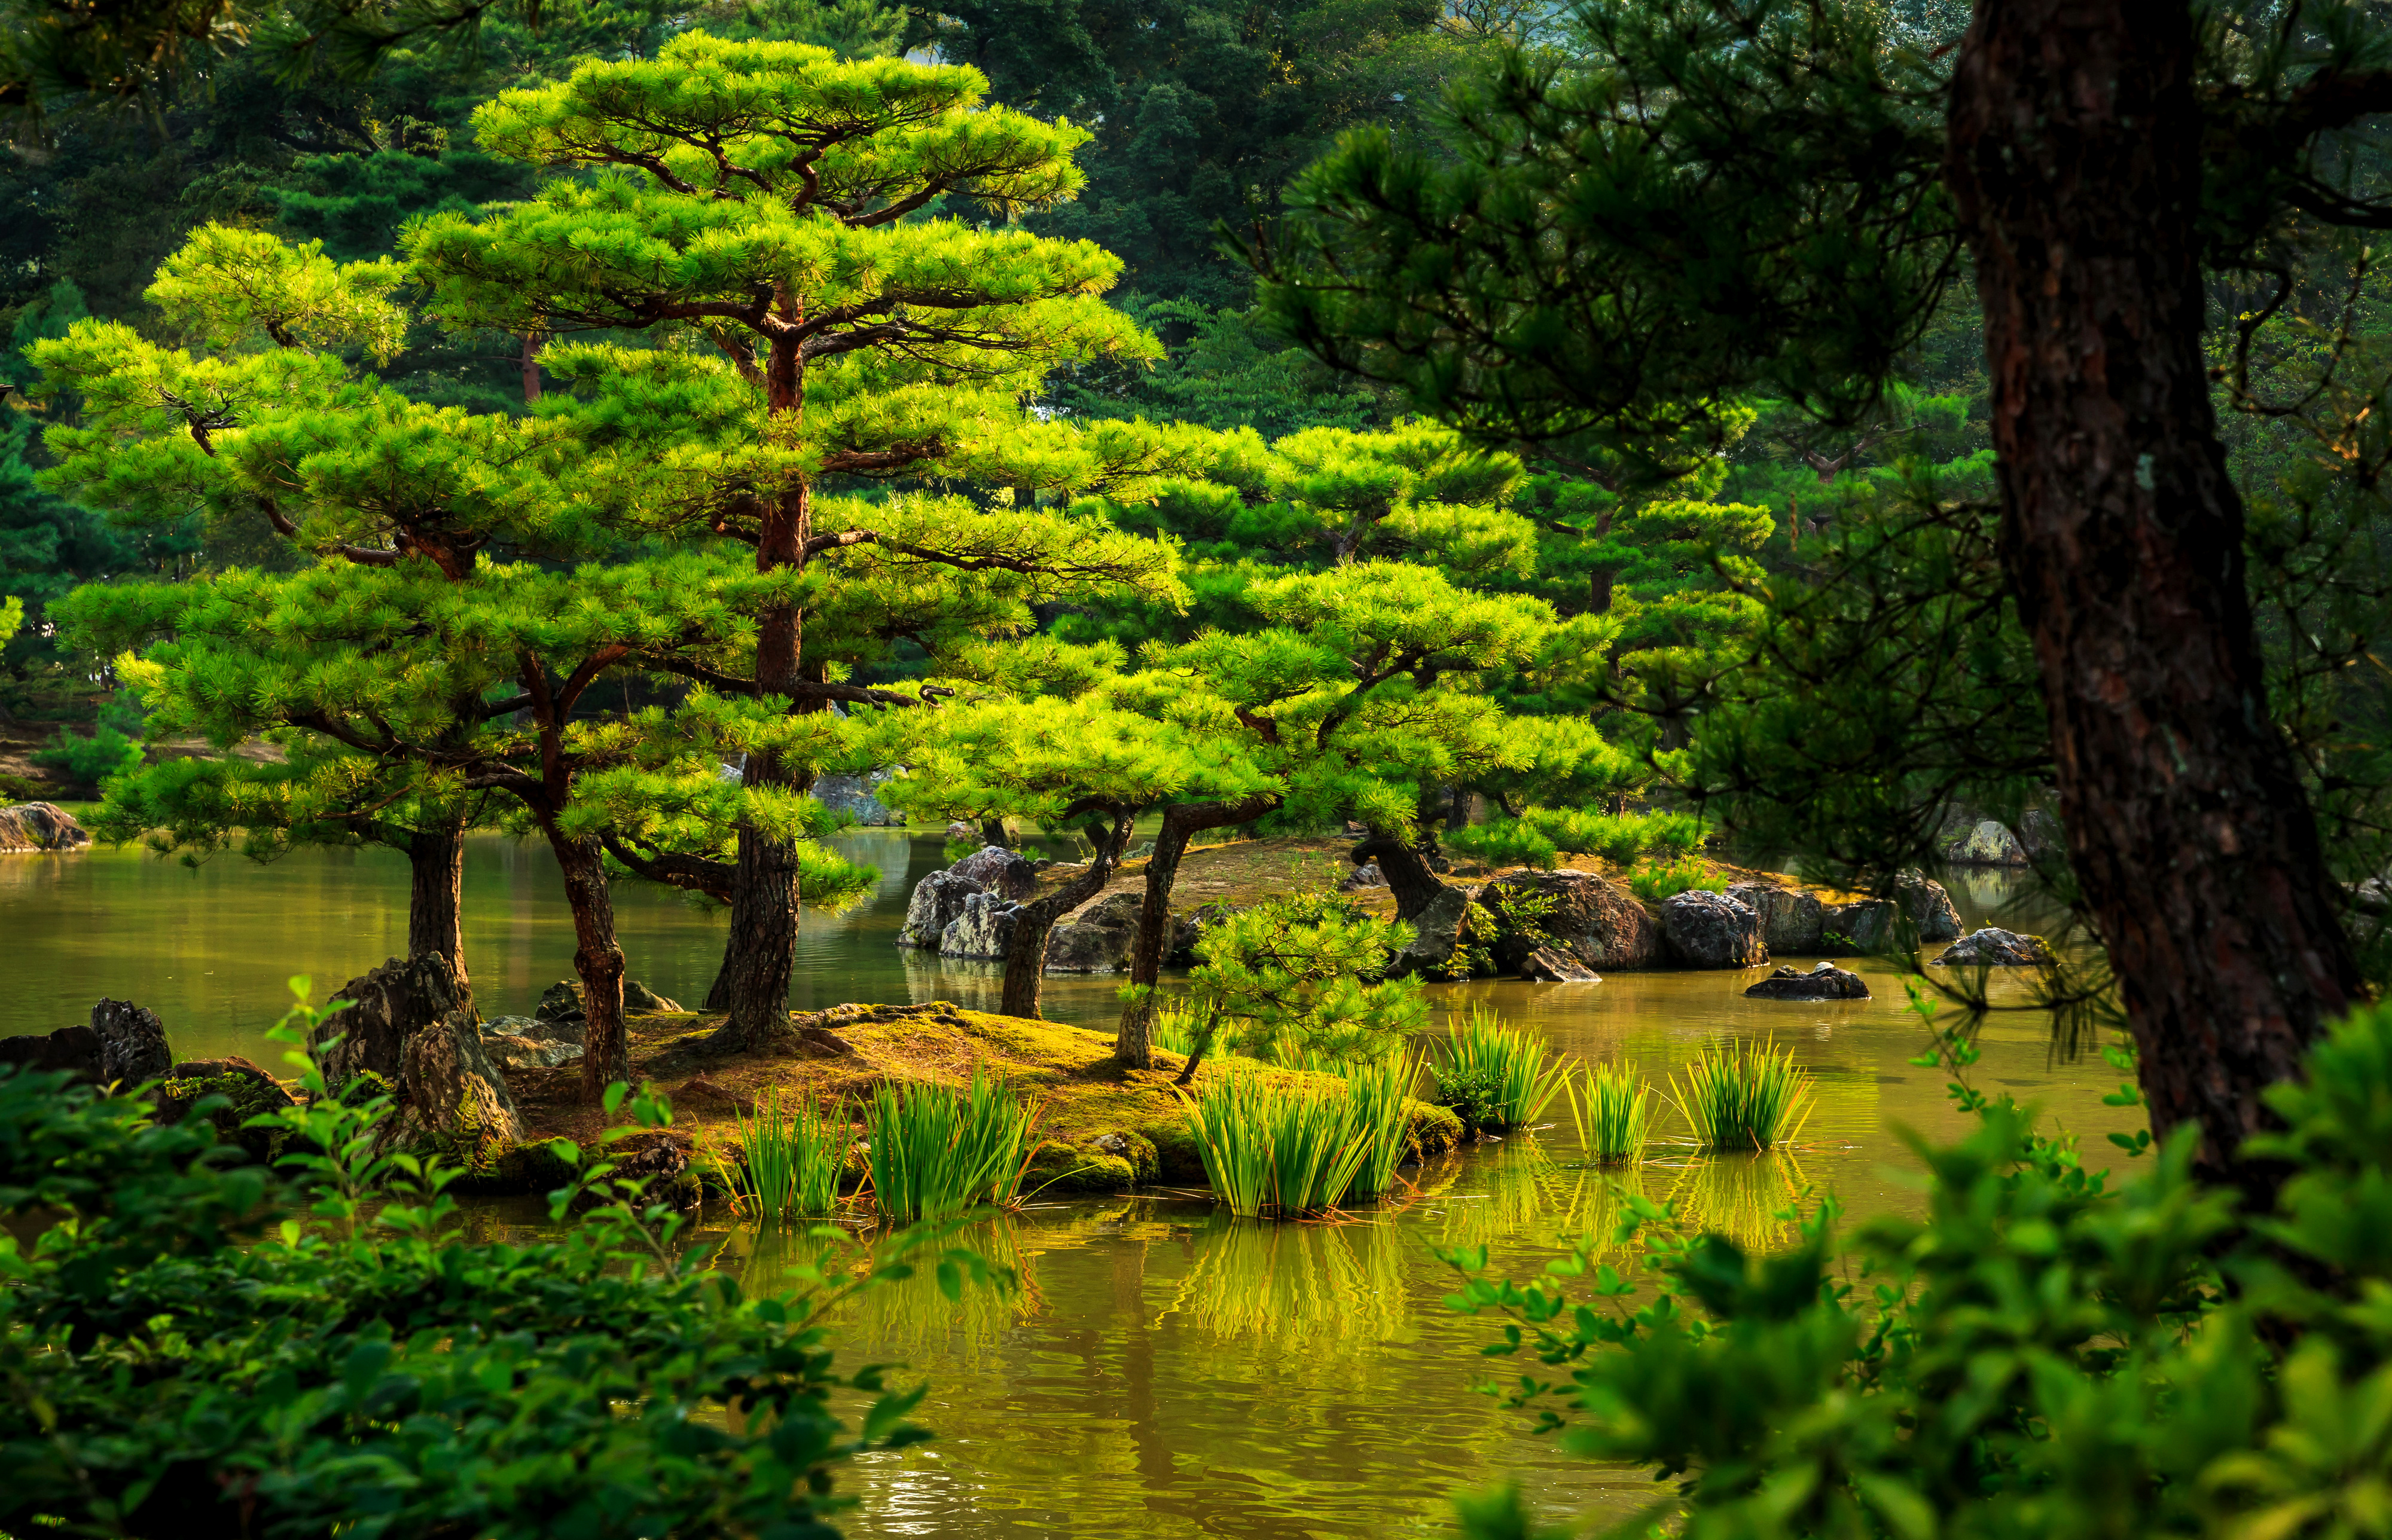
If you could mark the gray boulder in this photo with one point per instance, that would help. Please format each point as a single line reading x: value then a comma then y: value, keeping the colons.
x: 1592, y: 918
x: 381, y: 1010
x: 1431, y: 953
x: 525, y: 1051
x: 853, y: 796
x: 1985, y: 843
x: 2040, y: 835
x: 452, y: 1097
x: 1824, y: 982
x: 984, y: 928
x: 1098, y: 938
x: 1712, y: 930
x: 1928, y: 905
x: 1793, y: 921
x: 1000, y: 870
x: 132, y: 1042
x: 1365, y: 875
x: 937, y: 900
x: 1994, y: 947
x: 640, y: 1000
x: 40, y: 826
x: 1555, y: 965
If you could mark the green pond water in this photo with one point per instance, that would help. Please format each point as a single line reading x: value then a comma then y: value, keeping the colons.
x: 1161, y: 1370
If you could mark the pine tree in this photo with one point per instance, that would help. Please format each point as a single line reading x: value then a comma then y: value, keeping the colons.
x: 767, y: 215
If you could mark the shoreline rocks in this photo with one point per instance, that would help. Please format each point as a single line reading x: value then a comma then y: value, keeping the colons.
x: 855, y: 798
x: 1996, y: 948
x: 41, y: 826
x: 1713, y: 930
x: 124, y: 1044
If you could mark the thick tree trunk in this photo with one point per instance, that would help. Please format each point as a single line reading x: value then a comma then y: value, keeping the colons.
x: 1025, y: 954
x: 598, y: 959
x: 2075, y: 154
x: 764, y: 890
x: 435, y: 863
x: 1133, y: 1045
x: 1406, y: 871
x: 718, y: 997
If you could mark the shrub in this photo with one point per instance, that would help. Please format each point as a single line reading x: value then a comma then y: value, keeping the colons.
x: 178, y: 1363
x: 1622, y: 837
x: 89, y: 761
x: 1505, y: 842
x: 2045, y: 1353
x: 1285, y: 977
x: 1654, y: 882
x: 937, y: 1152
x: 1496, y: 1077
x: 1612, y: 1110
x: 1744, y: 1097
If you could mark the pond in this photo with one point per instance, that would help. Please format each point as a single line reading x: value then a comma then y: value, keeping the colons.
x: 1161, y: 1371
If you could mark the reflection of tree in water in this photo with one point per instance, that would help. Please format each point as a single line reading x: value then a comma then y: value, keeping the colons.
x: 1255, y: 1280
x: 907, y: 1315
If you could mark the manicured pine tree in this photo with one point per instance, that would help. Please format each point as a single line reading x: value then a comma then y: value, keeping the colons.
x: 1367, y: 691
x: 789, y: 231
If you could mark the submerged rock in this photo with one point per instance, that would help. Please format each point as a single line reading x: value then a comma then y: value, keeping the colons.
x: 1824, y: 982
x: 1555, y: 965
x: 1994, y: 947
x: 40, y: 826
x: 1713, y: 930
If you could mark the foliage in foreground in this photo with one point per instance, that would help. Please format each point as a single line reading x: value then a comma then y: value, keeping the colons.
x: 2043, y: 1355
x: 178, y: 1363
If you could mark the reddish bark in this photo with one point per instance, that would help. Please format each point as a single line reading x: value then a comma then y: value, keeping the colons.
x: 2075, y: 154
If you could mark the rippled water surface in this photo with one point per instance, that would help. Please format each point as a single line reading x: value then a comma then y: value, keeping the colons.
x: 1161, y: 1370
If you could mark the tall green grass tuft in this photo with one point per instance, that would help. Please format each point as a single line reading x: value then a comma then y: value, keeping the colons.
x: 788, y: 1165
x: 1744, y: 1097
x: 1613, y: 1110
x: 937, y: 1152
x: 1279, y: 1150
x: 1497, y: 1077
x: 1379, y: 1093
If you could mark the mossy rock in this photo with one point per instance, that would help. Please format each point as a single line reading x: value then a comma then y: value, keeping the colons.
x: 510, y: 1168
x: 1432, y: 1131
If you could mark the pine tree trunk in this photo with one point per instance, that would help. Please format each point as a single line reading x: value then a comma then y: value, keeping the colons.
x: 1025, y: 954
x: 598, y: 958
x: 718, y: 998
x: 435, y: 863
x: 1133, y: 1039
x: 1408, y: 874
x: 2075, y: 154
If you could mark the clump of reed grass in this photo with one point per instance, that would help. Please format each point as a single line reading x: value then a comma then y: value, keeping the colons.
x: 937, y: 1152
x: 1172, y: 1029
x: 1379, y: 1095
x: 1272, y: 1148
x: 1613, y: 1111
x: 789, y: 1162
x: 1497, y: 1077
x: 1744, y: 1097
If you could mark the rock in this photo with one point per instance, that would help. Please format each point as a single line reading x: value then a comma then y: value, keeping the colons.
x: 1824, y: 982
x: 1993, y: 947
x: 381, y: 1010
x: 248, y: 1091
x: 2041, y: 836
x: 1985, y: 843
x: 1365, y: 875
x: 1557, y: 967
x: 72, y: 1049
x: 998, y: 870
x: 1929, y: 906
x: 453, y: 1098
x: 1100, y: 939
x: 640, y: 1000
x: 852, y: 796
x: 1179, y: 945
x: 1712, y: 930
x: 1431, y: 953
x: 937, y: 900
x: 40, y: 826
x: 514, y: 1051
x: 1596, y: 920
x: 561, y: 1002
x: 984, y: 928
x: 960, y: 830
x: 1792, y: 919
x: 132, y: 1042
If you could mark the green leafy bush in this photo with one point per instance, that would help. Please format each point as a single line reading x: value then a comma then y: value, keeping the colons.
x: 178, y: 1363
x: 89, y: 761
x: 2044, y: 1356
x: 1622, y: 837
x: 1654, y: 882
